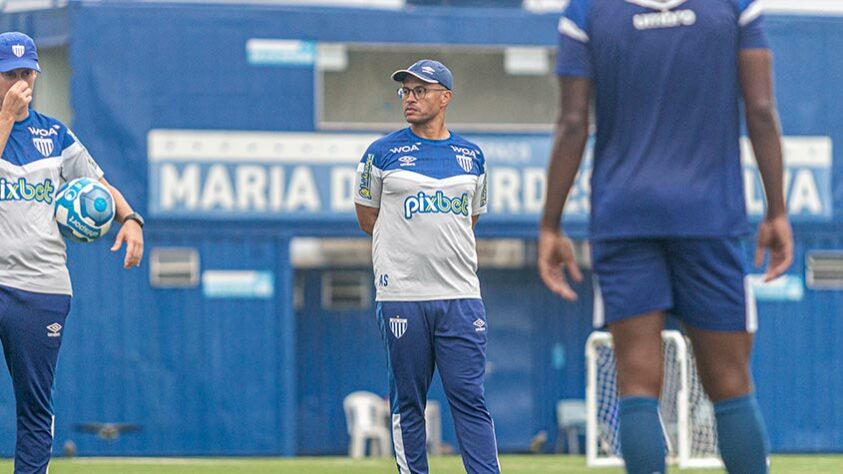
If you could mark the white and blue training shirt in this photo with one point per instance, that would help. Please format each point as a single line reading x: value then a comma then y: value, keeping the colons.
x: 423, y: 244
x: 41, y: 153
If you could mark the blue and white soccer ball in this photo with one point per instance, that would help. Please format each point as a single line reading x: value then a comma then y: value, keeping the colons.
x: 84, y: 210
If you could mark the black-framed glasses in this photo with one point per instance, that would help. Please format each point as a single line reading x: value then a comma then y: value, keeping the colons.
x: 418, y: 91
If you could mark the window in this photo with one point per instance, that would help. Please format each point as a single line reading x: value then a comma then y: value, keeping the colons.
x: 312, y: 252
x: 824, y: 270
x: 52, y: 89
x: 174, y: 267
x: 298, y: 292
x: 346, y: 290
x: 495, y: 88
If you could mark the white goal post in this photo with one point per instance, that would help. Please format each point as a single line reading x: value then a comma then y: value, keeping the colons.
x: 687, y: 414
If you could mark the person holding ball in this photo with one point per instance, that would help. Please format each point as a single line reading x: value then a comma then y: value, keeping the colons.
x: 38, y: 154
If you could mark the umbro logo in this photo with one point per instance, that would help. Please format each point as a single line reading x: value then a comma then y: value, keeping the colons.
x: 479, y: 325
x: 54, y: 330
x: 428, y: 70
x: 664, y: 19
x: 407, y: 160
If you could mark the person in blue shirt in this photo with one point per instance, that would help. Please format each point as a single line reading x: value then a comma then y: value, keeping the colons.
x: 420, y: 191
x: 38, y: 152
x: 668, y: 211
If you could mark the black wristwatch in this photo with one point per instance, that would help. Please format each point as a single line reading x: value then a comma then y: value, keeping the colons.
x: 134, y: 217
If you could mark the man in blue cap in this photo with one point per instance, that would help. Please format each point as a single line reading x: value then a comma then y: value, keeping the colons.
x: 419, y: 192
x: 38, y: 152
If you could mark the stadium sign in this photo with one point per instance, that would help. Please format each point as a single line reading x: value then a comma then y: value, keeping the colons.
x: 311, y: 176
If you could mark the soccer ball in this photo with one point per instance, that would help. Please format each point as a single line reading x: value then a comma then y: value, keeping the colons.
x: 84, y: 210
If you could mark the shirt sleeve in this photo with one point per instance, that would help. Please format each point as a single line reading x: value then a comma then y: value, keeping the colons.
x: 573, y: 56
x: 750, y: 22
x: 367, y: 190
x: 76, y: 162
x: 479, y: 203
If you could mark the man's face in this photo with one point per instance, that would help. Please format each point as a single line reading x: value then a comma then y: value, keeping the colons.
x: 10, y: 78
x: 422, y: 100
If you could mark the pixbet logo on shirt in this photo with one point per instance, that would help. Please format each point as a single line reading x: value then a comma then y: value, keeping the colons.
x: 21, y: 190
x: 438, y: 203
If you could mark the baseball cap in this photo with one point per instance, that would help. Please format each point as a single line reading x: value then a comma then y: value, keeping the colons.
x: 427, y: 70
x: 17, y: 50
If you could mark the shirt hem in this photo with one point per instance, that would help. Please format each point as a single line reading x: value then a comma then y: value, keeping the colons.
x: 363, y: 202
x: 682, y: 235
x: 33, y: 289
x: 473, y: 296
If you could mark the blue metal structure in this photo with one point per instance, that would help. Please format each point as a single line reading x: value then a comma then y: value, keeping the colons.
x: 243, y: 376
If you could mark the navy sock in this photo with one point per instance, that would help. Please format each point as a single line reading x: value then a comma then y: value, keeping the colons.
x: 642, y: 439
x: 741, y: 435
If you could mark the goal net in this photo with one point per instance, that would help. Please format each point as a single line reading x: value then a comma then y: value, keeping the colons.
x: 687, y: 414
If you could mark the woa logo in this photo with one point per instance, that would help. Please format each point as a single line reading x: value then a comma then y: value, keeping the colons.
x: 405, y: 148
x: 438, y: 203
x: 44, y: 132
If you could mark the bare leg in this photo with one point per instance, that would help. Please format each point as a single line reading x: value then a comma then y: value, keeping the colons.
x: 723, y: 364
x: 638, y: 349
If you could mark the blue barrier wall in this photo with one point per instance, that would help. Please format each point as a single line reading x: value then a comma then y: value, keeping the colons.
x: 223, y: 376
x: 535, y: 357
x: 798, y: 352
x: 199, y: 374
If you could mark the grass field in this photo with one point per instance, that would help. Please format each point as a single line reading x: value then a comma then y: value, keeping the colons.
x: 332, y: 465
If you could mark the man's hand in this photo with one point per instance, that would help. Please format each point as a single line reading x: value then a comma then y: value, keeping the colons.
x: 17, y: 100
x: 774, y: 234
x: 555, y: 251
x: 132, y: 234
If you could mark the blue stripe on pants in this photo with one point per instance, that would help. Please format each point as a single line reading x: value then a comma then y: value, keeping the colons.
x: 449, y: 335
x: 31, y: 325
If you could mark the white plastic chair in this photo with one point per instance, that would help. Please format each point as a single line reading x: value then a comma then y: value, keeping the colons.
x: 367, y: 418
x: 433, y: 427
x: 570, y: 418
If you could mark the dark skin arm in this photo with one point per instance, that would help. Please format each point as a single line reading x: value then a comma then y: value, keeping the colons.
x: 366, y: 217
x: 762, y: 120
x: 554, y: 249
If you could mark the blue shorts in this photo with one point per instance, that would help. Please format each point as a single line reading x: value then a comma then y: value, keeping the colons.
x: 700, y: 281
